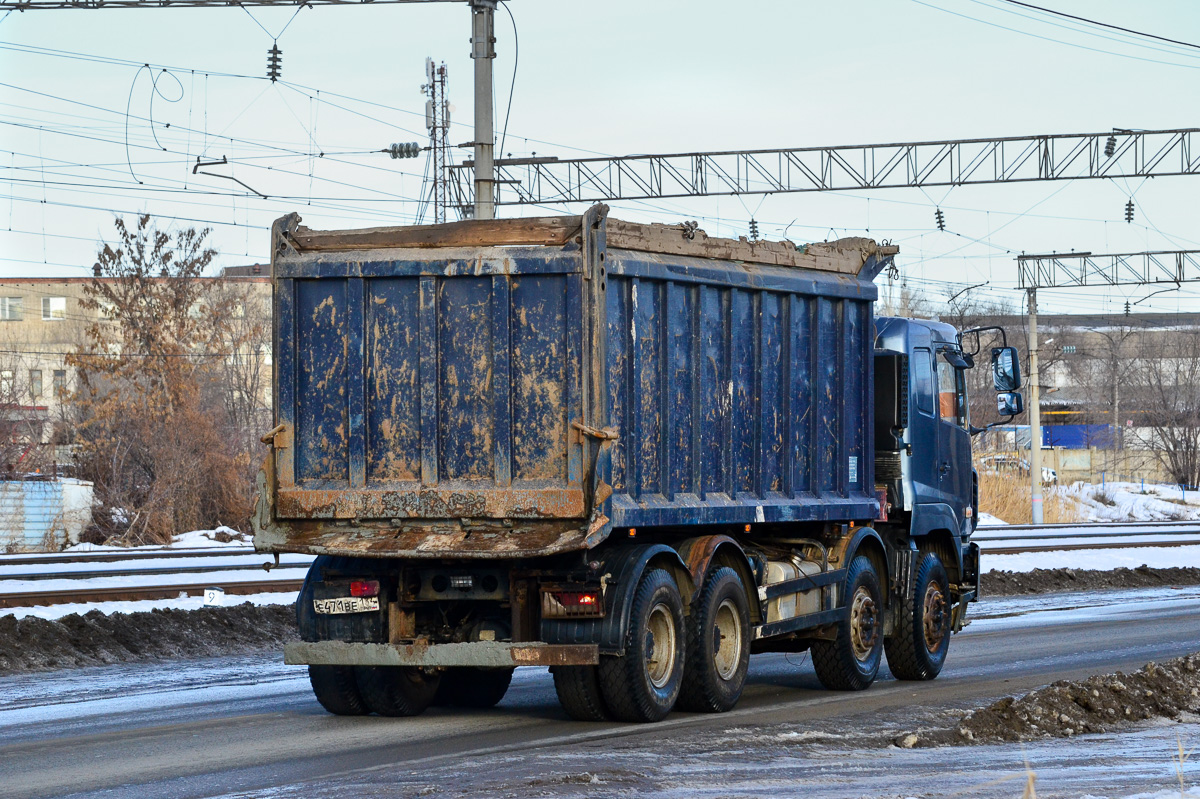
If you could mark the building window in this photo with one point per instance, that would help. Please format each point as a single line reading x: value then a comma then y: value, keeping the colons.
x: 35, y: 383
x: 10, y: 309
x: 60, y: 382
x: 6, y: 384
x: 54, y: 308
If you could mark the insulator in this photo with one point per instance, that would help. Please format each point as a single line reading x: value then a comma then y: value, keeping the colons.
x: 1110, y: 146
x: 940, y: 218
x: 1129, y: 210
x: 1127, y: 307
x: 274, y: 62
x: 754, y: 230
x: 408, y: 149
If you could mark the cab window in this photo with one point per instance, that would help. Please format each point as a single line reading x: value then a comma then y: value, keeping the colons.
x: 922, y: 380
x: 952, y: 394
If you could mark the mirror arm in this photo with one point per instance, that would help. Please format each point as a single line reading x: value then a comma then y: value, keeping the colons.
x: 975, y: 331
x: 977, y: 430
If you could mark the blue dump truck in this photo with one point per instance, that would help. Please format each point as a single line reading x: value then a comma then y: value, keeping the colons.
x: 631, y: 453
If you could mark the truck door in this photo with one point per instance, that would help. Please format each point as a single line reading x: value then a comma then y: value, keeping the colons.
x: 954, y: 438
x: 923, y: 429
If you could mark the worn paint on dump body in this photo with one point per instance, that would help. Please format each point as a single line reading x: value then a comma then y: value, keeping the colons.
x: 741, y: 392
x: 426, y: 392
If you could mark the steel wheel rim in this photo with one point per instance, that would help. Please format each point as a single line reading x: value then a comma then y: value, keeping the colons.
x: 864, y: 624
x: 934, y: 618
x: 660, y: 645
x: 727, y: 639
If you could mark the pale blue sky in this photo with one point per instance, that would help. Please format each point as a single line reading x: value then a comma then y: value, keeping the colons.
x: 614, y: 78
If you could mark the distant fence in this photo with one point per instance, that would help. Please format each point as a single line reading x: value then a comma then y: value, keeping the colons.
x: 1090, y: 465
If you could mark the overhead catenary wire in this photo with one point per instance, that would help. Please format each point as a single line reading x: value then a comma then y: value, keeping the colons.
x: 1056, y: 41
x: 1102, y: 24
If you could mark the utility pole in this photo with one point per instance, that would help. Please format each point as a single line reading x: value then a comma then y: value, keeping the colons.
x: 483, y: 51
x: 1035, y: 413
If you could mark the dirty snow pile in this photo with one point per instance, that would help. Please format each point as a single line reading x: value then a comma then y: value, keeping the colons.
x: 35, y: 644
x: 1169, y: 690
x: 1045, y: 581
x: 1129, y: 502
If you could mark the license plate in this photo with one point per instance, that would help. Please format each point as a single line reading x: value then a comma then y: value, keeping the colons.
x: 346, y: 604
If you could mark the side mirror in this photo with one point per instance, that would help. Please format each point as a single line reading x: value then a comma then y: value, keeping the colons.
x: 1006, y: 369
x: 1010, y: 403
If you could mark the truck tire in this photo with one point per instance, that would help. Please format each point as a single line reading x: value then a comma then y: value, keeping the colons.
x: 718, y: 645
x: 918, y: 650
x: 578, y: 689
x: 395, y: 690
x: 473, y: 687
x: 643, y: 685
x: 851, y: 661
x: 337, y: 690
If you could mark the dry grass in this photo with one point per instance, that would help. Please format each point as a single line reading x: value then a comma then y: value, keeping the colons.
x: 1007, y: 496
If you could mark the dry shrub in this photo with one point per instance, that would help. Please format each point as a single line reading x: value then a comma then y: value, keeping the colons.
x: 158, y: 432
x: 1008, y: 496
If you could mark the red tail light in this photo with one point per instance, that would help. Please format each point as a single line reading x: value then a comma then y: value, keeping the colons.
x: 364, y: 588
x: 559, y: 604
x: 573, y: 600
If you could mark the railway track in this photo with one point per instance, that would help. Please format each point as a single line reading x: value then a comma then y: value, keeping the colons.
x: 105, y: 576
x: 1016, y: 539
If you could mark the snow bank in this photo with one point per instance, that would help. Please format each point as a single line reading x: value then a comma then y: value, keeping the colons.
x: 194, y: 539
x: 1099, y: 559
x: 1126, y: 502
x: 146, y: 605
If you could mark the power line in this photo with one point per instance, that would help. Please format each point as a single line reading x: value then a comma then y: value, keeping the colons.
x: 1102, y: 24
x: 1055, y: 41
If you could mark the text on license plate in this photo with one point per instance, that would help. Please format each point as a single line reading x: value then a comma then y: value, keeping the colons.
x: 346, y: 604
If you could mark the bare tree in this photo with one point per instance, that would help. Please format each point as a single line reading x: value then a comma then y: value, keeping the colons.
x: 1105, y: 361
x: 155, y: 432
x: 1166, y: 377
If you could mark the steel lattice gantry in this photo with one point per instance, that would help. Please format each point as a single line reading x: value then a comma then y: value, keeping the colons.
x: 872, y: 166
x: 1064, y: 270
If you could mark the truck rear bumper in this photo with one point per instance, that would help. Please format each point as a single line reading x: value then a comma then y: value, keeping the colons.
x: 487, y: 654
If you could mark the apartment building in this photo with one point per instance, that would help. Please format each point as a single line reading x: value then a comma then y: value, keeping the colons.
x: 42, y: 321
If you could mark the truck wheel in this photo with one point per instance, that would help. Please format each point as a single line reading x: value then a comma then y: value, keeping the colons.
x: 578, y: 689
x: 472, y: 687
x: 851, y: 661
x: 337, y: 690
x: 918, y: 651
x: 644, y: 684
x: 395, y: 690
x: 718, y: 645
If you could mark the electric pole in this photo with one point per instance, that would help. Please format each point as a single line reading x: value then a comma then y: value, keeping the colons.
x: 1035, y: 413
x: 483, y: 51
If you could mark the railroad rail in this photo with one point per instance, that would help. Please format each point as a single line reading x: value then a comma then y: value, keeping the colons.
x: 34, y: 579
x: 107, y: 575
x: 1016, y: 539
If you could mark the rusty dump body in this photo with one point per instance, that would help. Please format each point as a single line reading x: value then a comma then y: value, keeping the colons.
x: 523, y: 387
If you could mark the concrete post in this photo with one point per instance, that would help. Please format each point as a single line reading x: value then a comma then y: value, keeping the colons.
x: 483, y: 51
x: 1035, y: 413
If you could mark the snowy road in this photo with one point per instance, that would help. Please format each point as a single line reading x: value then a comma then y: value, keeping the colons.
x: 249, y: 726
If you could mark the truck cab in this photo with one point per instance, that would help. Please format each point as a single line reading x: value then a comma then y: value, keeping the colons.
x: 928, y: 487
x: 923, y: 441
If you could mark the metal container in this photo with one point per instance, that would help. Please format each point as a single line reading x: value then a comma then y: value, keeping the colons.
x: 524, y: 387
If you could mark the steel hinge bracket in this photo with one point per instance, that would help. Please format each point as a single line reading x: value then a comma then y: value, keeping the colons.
x: 602, y: 434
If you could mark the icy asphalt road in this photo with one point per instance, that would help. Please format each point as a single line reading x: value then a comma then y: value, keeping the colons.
x: 249, y: 727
